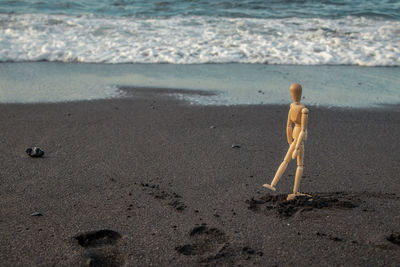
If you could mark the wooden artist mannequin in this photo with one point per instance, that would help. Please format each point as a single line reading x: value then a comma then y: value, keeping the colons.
x: 298, y: 114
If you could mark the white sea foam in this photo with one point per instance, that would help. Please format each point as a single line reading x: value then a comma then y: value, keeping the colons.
x: 192, y: 40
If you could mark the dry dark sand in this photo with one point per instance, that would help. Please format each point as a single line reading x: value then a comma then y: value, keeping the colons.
x: 152, y: 180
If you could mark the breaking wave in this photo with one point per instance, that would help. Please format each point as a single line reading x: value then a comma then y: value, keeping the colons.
x: 199, y: 39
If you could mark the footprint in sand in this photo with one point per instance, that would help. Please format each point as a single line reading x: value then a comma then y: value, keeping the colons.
x: 100, y: 248
x: 205, y: 240
x: 285, y: 209
x: 174, y: 200
x: 212, y: 246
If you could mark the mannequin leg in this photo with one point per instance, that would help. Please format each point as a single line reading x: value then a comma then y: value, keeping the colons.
x: 299, y: 171
x: 299, y: 174
x: 281, y: 168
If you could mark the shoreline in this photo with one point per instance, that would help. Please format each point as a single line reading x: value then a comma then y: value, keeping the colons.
x: 159, y: 180
x: 231, y: 84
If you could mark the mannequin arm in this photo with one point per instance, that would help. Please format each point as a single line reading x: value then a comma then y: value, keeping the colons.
x: 289, y: 130
x: 302, y: 135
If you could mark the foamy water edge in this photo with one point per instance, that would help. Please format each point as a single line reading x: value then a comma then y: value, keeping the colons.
x: 199, y: 39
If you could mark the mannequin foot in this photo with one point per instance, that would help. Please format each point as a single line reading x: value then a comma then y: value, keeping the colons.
x: 270, y: 187
x: 298, y: 194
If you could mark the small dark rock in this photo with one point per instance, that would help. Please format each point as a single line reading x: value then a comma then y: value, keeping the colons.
x: 235, y: 146
x: 36, y: 213
x: 34, y: 152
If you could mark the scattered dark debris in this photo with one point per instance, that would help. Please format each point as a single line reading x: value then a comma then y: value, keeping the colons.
x: 394, y: 238
x: 178, y: 205
x: 331, y: 237
x: 248, y: 250
x: 335, y: 238
x: 286, y: 209
x: 34, y: 152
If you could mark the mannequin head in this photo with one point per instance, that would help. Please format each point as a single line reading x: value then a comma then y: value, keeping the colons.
x: 295, y: 91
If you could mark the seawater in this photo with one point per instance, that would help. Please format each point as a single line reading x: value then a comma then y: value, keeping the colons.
x: 341, y: 32
x: 233, y: 84
x: 236, y: 48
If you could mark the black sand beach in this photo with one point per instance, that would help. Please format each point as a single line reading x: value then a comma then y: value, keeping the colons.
x: 151, y: 180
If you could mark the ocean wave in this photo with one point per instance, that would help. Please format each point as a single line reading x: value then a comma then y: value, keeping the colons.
x: 199, y: 39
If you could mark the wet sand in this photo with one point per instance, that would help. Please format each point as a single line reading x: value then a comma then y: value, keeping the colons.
x: 150, y: 180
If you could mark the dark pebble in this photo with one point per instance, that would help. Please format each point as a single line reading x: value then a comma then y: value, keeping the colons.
x: 34, y: 152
